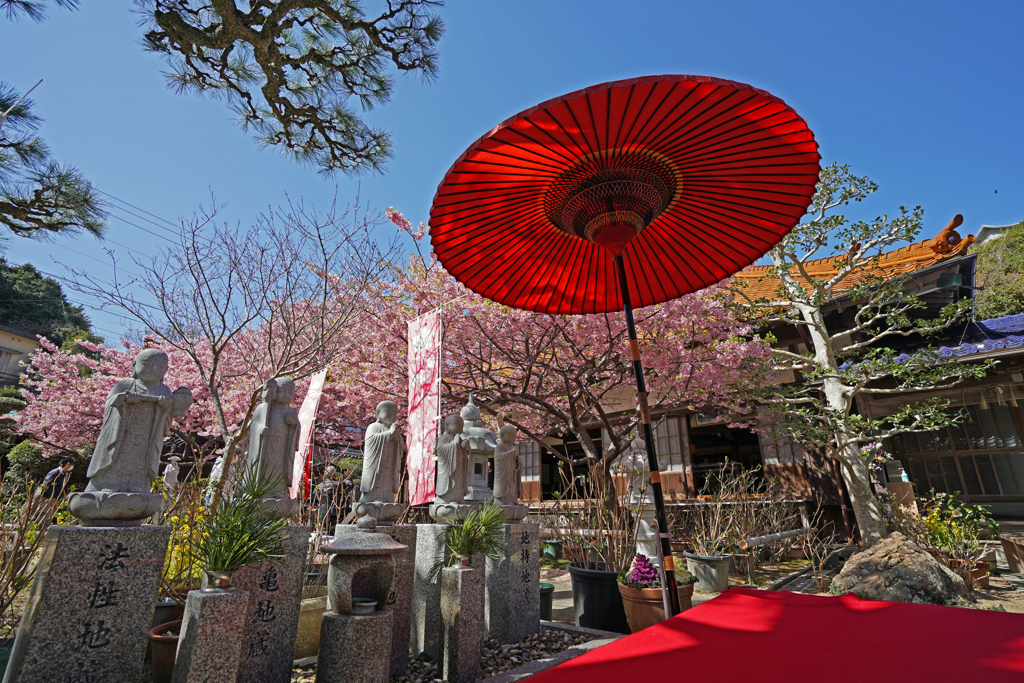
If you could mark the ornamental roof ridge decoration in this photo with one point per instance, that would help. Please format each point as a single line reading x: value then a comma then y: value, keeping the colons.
x: 945, y: 245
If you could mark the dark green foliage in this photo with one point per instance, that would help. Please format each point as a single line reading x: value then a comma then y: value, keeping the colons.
x: 1001, y: 274
x: 28, y: 462
x: 240, y: 531
x: 31, y: 9
x: 38, y: 195
x: 479, y: 533
x: 291, y: 70
x: 37, y: 305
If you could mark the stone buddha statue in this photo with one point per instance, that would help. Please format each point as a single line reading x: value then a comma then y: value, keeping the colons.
x: 383, y: 454
x: 452, y: 451
x: 507, y: 474
x: 136, y: 419
x: 273, y: 441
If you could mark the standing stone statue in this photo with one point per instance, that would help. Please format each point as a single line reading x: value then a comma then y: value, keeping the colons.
x: 136, y: 420
x: 383, y: 454
x: 507, y: 473
x: 273, y: 440
x: 452, y: 451
x: 171, y: 475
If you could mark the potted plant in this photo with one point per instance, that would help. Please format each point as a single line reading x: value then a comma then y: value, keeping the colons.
x: 478, y: 534
x: 314, y: 592
x: 641, y: 593
x: 239, y: 532
x: 951, y: 531
x: 598, y: 535
x: 163, y: 644
x: 25, y: 516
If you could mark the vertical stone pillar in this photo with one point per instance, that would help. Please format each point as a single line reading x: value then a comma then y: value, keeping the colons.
x: 400, y: 600
x: 90, y: 606
x: 351, y: 645
x: 512, y: 585
x: 211, y: 637
x: 462, y: 599
x: 272, y: 613
x: 426, y: 596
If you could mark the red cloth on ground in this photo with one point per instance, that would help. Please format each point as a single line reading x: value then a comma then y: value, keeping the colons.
x: 767, y: 636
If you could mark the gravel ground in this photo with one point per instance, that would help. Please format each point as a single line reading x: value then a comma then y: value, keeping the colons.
x: 495, y: 659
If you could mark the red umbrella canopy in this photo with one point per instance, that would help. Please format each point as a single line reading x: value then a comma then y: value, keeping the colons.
x: 690, y: 178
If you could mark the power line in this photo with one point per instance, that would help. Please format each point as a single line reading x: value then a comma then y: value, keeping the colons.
x: 173, y: 225
x: 135, y: 225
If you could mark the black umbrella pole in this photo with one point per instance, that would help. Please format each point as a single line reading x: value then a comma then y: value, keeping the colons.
x: 652, y: 455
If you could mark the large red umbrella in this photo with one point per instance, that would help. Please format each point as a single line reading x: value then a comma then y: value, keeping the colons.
x: 625, y: 194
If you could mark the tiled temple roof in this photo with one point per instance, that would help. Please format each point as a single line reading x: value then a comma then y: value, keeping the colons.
x: 987, y: 336
x: 946, y: 245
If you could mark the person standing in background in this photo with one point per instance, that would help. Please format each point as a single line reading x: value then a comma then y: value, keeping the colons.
x: 55, y: 484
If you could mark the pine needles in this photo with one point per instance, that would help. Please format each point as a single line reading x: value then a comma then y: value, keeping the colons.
x: 479, y: 533
x: 240, y: 531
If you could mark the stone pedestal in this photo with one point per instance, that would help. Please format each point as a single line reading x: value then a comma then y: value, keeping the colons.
x: 512, y: 586
x: 400, y: 600
x: 351, y: 648
x: 425, y: 636
x: 272, y: 613
x: 91, y: 605
x: 211, y: 637
x: 462, y: 599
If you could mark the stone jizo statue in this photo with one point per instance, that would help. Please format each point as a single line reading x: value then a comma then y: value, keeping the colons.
x: 452, y: 451
x: 507, y: 467
x: 383, y: 454
x: 136, y: 419
x: 508, y: 473
x: 273, y: 440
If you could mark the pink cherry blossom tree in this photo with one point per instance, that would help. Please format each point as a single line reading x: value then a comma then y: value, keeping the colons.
x: 245, y: 305
x: 552, y: 374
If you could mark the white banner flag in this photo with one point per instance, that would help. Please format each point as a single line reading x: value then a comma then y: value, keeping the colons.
x: 307, y: 419
x: 424, y: 404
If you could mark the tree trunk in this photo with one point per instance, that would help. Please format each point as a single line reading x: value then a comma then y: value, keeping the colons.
x: 866, y: 507
x: 839, y: 401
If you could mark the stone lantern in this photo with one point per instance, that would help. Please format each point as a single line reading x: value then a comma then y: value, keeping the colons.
x: 355, y: 645
x: 362, y: 566
x: 481, y: 443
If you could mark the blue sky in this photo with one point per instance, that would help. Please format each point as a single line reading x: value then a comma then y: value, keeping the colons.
x: 926, y: 98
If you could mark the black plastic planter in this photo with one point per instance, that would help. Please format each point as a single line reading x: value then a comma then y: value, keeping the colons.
x: 596, y: 599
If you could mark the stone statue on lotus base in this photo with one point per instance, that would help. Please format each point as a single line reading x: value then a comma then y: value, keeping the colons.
x: 508, y: 474
x: 273, y: 440
x: 136, y: 419
x: 383, y: 453
x: 452, y: 451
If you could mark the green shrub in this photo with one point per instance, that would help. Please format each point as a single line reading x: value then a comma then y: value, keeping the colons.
x: 27, y: 462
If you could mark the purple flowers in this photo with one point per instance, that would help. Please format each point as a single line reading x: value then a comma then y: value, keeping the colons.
x: 643, y: 574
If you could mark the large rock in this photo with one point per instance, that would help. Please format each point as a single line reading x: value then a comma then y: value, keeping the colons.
x: 897, y: 569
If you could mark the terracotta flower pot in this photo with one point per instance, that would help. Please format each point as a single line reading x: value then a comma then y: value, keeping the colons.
x: 164, y: 649
x: 644, y: 606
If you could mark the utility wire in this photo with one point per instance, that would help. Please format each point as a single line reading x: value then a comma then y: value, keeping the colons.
x: 173, y: 225
x: 135, y: 225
